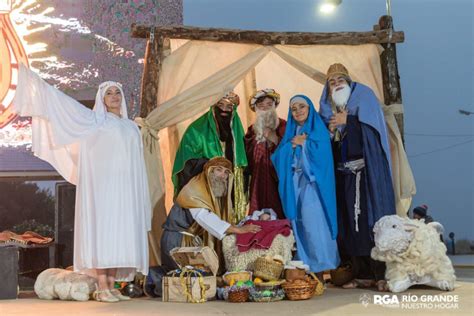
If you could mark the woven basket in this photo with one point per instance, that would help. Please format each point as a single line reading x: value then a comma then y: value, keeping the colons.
x: 239, y: 296
x: 268, y: 269
x: 268, y: 299
x: 243, y: 276
x: 271, y: 285
x: 303, y: 289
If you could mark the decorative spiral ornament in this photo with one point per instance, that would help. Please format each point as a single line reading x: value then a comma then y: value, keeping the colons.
x: 11, y: 54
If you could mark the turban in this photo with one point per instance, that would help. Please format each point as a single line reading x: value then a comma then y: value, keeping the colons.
x: 337, y: 69
x: 230, y: 98
x: 271, y: 93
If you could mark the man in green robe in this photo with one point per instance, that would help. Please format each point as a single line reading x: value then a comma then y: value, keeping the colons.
x: 217, y: 133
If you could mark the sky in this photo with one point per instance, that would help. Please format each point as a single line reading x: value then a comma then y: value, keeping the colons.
x: 436, y: 73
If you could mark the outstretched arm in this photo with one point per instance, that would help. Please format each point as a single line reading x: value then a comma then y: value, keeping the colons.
x: 69, y: 120
x: 217, y: 227
x: 59, y: 122
x: 243, y: 229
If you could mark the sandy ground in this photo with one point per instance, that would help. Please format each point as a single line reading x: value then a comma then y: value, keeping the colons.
x: 334, y: 301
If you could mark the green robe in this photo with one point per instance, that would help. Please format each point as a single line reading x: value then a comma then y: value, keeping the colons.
x: 201, y: 140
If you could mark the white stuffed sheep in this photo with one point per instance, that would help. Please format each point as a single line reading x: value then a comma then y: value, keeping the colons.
x: 413, y: 253
x: 64, y: 284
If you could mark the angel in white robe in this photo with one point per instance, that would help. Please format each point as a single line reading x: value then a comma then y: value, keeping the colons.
x: 101, y: 152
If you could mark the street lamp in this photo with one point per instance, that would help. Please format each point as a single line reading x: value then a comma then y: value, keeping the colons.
x: 388, y: 4
x: 329, y: 6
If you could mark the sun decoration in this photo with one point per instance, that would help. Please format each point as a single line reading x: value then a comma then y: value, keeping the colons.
x: 71, y: 46
x: 11, y: 54
x: 15, y: 49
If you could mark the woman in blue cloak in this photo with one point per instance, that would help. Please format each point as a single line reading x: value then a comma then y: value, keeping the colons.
x: 305, y: 169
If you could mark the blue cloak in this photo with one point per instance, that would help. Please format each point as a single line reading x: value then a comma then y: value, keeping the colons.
x: 318, y: 146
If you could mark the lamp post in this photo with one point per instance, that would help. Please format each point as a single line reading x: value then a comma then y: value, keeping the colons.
x: 453, y: 244
x: 388, y: 4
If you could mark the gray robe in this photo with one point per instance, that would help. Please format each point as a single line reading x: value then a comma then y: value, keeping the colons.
x: 179, y: 220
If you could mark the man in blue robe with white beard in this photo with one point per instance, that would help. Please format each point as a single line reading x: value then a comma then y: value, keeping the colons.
x: 363, y: 178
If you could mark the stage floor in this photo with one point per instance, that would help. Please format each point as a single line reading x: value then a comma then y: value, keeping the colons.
x: 335, y: 301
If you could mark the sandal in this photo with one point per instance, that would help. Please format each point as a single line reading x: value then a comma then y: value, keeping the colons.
x: 104, y: 296
x: 119, y: 295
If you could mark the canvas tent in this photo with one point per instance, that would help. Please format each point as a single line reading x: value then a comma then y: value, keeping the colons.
x: 188, y: 69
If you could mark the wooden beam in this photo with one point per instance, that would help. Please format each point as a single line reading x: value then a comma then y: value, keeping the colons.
x: 151, y: 73
x: 268, y: 38
x: 390, y: 76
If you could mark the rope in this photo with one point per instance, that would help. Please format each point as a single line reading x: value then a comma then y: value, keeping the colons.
x: 185, y: 276
x: 357, y: 202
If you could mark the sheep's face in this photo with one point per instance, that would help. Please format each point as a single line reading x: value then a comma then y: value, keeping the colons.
x: 392, y: 234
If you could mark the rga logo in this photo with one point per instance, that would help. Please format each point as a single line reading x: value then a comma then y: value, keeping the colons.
x: 410, y: 301
x: 365, y: 299
x: 386, y: 300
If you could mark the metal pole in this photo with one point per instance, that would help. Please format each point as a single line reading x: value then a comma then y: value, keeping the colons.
x: 389, y: 7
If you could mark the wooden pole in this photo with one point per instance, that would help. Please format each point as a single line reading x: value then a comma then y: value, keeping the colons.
x: 390, y: 76
x: 157, y: 47
x: 151, y: 74
x: 269, y: 38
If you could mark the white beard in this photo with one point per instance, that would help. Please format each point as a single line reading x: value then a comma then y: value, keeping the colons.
x: 218, y: 186
x: 265, y: 119
x: 341, y: 97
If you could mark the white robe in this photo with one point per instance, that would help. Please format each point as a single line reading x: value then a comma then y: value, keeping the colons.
x: 103, y: 155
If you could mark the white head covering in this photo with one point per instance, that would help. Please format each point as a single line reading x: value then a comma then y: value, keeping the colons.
x: 298, y: 99
x: 99, y: 106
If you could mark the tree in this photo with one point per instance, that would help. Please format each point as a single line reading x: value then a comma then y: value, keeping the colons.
x: 23, y: 202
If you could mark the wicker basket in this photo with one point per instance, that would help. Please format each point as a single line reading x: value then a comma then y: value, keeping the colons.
x: 243, y: 276
x: 268, y: 269
x: 239, y: 296
x: 267, y: 299
x: 271, y: 285
x: 303, y: 289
